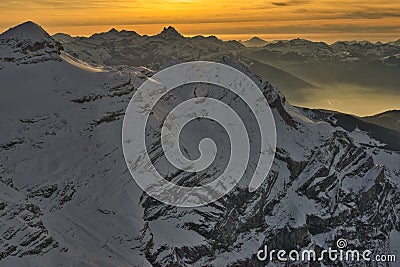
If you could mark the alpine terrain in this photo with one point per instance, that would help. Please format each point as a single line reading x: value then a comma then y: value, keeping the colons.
x: 67, y: 197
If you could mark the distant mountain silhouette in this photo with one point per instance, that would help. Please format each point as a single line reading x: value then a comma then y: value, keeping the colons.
x: 389, y: 119
x: 255, y: 41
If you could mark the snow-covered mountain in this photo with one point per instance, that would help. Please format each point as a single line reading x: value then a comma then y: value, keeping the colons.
x: 61, y: 177
x: 28, y: 43
x: 169, y: 41
x: 305, y: 71
x: 67, y: 198
x: 340, y: 50
x: 128, y: 48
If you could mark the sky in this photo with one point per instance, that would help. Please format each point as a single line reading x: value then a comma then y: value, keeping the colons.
x: 319, y: 20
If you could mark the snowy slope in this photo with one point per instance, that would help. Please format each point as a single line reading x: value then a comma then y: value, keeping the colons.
x: 61, y: 179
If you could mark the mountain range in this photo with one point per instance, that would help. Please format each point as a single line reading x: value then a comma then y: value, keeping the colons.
x: 67, y: 198
x: 313, y: 74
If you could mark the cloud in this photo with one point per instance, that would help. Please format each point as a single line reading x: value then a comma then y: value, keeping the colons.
x: 61, y: 4
x: 279, y: 4
x: 239, y: 17
x: 372, y: 15
x: 291, y: 3
x: 272, y: 5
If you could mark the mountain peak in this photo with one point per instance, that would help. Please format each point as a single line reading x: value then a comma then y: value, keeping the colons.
x: 255, y: 41
x: 114, y: 33
x: 255, y: 38
x: 170, y: 32
x: 27, y: 31
x: 28, y: 43
x: 300, y: 41
x: 113, y: 30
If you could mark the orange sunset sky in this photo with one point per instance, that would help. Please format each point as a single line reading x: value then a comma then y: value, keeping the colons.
x: 326, y: 20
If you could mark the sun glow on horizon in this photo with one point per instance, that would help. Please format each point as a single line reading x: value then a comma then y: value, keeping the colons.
x: 324, y: 20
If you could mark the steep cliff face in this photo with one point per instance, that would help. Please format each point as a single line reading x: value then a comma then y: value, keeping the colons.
x: 325, y: 184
